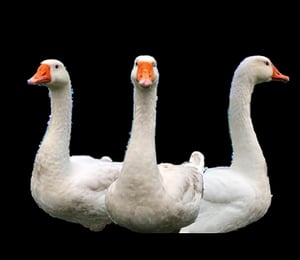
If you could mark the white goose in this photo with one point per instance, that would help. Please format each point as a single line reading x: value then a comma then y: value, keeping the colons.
x: 240, y: 194
x: 71, y: 188
x: 148, y: 197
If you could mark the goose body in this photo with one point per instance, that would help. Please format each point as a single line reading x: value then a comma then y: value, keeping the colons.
x: 149, y: 197
x: 71, y: 188
x: 240, y: 194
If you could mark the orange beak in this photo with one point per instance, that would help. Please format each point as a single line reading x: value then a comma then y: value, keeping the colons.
x: 278, y: 76
x: 41, y: 76
x: 145, y: 73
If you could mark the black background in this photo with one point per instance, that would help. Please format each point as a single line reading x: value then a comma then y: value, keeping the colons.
x: 197, y: 49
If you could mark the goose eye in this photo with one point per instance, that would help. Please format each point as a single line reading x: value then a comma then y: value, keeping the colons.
x: 56, y: 66
x: 267, y: 63
x: 154, y: 64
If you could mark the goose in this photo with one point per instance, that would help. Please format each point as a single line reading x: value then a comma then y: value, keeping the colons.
x: 148, y: 197
x: 238, y: 195
x: 71, y: 188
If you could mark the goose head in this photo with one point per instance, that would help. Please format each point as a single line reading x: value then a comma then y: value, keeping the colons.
x: 260, y: 69
x: 145, y: 73
x: 51, y: 73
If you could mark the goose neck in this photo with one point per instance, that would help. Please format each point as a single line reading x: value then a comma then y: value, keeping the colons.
x: 141, y: 152
x: 55, y: 144
x: 247, y: 152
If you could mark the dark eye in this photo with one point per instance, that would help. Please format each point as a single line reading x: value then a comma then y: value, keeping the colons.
x: 154, y: 64
x: 267, y: 63
x: 56, y: 66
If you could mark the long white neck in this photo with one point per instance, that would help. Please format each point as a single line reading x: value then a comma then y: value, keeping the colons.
x: 140, y: 163
x: 247, y: 153
x: 54, y: 148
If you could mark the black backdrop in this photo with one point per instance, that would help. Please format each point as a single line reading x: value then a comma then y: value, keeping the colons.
x: 197, y: 50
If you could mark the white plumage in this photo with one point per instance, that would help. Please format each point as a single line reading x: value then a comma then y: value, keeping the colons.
x: 240, y: 194
x: 151, y: 197
x: 71, y: 188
